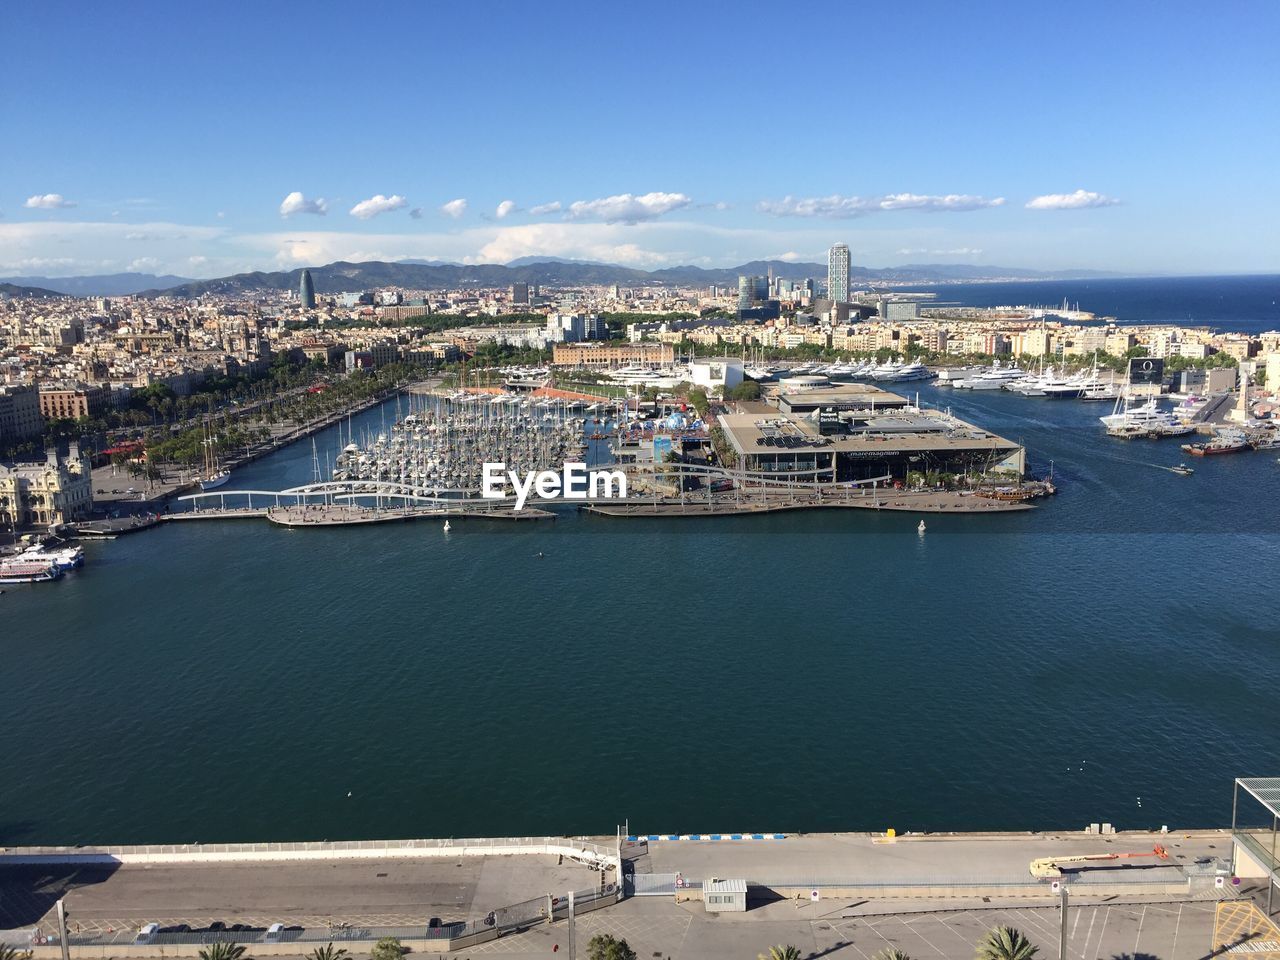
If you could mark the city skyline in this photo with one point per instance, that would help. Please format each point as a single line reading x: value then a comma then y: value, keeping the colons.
x: 1123, y: 159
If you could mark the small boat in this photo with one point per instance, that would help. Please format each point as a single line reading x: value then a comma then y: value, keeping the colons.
x: 1182, y: 470
x: 920, y: 529
x: 446, y: 526
x: 1219, y: 445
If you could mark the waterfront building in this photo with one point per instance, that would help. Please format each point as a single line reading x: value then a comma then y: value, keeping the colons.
x: 58, y: 490
x: 838, y: 273
x: 611, y: 354
x: 711, y: 373
x: 865, y: 444
x: 1272, y: 372
x: 20, y: 417
x: 70, y: 403
x: 307, y: 291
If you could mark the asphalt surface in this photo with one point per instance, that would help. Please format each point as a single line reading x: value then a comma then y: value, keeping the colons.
x: 383, y: 892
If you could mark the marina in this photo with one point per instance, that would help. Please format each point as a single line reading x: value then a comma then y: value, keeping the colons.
x: 530, y: 619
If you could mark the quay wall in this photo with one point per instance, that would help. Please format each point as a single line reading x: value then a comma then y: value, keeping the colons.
x: 601, y: 854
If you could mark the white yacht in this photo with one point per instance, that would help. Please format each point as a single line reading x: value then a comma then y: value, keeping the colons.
x: 1146, y: 419
x: 908, y: 371
x: 993, y: 379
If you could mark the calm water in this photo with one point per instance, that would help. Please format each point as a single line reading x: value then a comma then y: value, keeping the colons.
x: 811, y: 671
x: 1249, y: 304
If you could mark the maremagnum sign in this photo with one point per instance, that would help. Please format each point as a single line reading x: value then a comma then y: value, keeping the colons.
x: 574, y: 482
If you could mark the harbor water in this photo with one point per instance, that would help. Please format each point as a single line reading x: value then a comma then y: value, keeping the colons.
x: 1109, y: 656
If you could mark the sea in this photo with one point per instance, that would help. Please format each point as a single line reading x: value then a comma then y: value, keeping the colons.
x: 1111, y: 656
x: 1243, y: 304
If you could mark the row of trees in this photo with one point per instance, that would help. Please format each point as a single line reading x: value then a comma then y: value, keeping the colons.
x: 1001, y: 943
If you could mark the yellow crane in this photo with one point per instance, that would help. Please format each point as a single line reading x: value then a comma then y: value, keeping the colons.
x: 1052, y: 866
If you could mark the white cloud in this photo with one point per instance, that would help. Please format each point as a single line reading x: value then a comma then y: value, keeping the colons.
x: 368, y: 209
x: 953, y: 252
x: 505, y: 209
x: 1079, y: 200
x: 838, y: 207
x: 47, y: 201
x: 297, y: 203
x: 197, y: 261
x: 416, y: 213
x: 454, y: 208
x: 542, y: 208
x: 144, y: 265
x: 628, y: 208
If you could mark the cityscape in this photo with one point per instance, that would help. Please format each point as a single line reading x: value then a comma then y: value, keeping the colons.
x: 571, y: 526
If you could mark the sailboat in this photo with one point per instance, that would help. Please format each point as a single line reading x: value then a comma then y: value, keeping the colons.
x: 214, y: 474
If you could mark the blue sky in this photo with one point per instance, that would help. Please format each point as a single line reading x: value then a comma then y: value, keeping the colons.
x: 206, y: 139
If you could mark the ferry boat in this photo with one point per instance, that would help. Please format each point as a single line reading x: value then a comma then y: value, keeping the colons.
x: 28, y: 571
x: 64, y: 558
x: 1227, y: 443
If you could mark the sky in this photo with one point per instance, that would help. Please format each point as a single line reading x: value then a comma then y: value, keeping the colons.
x: 208, y: 139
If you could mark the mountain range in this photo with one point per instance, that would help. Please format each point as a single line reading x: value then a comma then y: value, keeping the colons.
x: 101, y: 285
x: 344, y: 277
x: 26, y: 293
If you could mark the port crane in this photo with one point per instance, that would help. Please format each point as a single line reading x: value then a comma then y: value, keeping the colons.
x: 1052, y: 866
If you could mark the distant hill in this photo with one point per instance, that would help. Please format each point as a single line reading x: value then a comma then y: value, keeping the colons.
x: 344, y: 277
x: 14, y: 290
x: 104, y: 285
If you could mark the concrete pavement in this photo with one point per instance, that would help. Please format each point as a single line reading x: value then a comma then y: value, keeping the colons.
x: 926, y: 860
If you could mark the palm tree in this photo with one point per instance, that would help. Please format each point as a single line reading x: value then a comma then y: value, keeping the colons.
x: 10, y: 953
x: 223, y: 951
x: 1006, y: 943
x: 327, y: 952
x: 891, y: 953
x: 781, y: 953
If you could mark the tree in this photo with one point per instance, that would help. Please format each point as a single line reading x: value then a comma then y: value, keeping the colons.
x: 10, y: 953
x: 223, y: 951
x: 1006, y: 943
x: 605, y: 947
x: 781, y: 952
x: 388, y: 948
x: 746, y: 390
x: 327, y: 952
x: 891, y: 953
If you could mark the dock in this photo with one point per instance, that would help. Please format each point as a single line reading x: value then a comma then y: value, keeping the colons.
x: 903, y: 501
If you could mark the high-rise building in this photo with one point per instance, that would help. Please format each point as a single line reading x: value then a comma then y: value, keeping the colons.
x: 752, y: 290
x: 307, y: 291
x: 519, y: 293
x: 838, y: 273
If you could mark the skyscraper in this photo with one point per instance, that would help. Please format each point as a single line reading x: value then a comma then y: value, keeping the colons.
x: 838, y: 273
x: 752, y: 290
x: 307, y: 291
